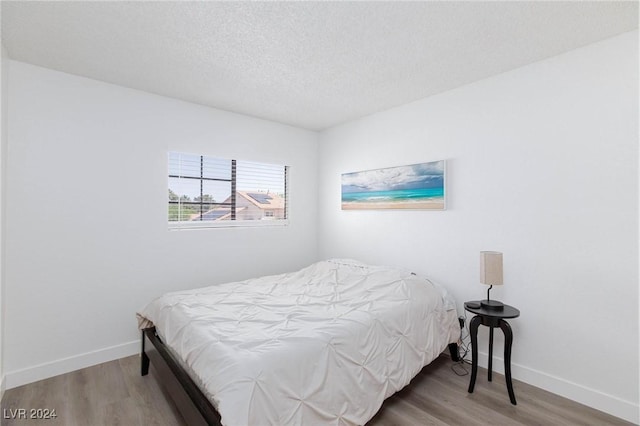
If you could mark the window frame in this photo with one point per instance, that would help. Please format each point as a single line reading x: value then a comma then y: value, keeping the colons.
x: 233, y: 222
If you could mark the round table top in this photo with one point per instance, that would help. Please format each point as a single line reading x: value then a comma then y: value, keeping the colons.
x: 506, y: 312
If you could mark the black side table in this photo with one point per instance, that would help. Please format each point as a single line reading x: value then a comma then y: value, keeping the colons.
x: 492, y: 319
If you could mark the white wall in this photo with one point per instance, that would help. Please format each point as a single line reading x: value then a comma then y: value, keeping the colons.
x: 543, y: 166
x: 87, y: 240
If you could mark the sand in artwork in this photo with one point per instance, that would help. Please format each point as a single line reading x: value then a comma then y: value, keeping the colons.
x: 424, y: 205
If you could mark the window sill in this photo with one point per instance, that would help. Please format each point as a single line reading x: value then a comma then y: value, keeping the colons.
x: 178, y: 226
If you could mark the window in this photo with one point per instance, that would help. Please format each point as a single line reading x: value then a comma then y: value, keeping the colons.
x: 209, y: 191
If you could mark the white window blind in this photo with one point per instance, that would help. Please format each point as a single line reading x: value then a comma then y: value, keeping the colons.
x: 210, y: 191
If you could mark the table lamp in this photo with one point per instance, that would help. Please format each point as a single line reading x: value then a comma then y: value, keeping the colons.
x: 491, y: 274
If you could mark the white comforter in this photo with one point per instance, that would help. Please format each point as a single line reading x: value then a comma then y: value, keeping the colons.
x: 324, y: 345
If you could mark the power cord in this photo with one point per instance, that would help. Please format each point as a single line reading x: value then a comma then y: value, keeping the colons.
x: 464, y: 348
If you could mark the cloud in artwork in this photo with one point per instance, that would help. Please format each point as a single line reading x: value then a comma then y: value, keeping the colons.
x: 425, y: 175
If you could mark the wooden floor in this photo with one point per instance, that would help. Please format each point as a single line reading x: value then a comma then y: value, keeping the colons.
x: 114, y: 393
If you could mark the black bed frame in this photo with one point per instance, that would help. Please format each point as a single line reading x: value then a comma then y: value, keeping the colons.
x: 194, y: 406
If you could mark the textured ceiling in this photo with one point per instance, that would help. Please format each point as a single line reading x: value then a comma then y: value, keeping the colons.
x: 308, y: 64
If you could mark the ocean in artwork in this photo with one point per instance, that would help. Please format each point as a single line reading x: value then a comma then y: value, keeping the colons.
x: 417, y: 186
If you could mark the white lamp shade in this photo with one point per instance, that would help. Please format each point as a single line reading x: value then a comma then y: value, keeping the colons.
x: 491, y: 267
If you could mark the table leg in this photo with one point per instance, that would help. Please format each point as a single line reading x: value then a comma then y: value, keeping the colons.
x: 473, y: 331
x: 508, y: 340
x: 490, y: 352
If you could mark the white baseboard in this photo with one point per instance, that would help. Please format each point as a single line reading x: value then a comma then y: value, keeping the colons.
x: 54, y: 368
x: 627, y: 410
x: 3, y: 382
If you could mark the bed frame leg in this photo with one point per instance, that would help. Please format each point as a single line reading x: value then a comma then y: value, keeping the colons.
x: 453, y: 350
x: 144, y: 359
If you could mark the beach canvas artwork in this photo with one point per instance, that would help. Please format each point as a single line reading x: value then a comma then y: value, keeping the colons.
x: 417, y: 186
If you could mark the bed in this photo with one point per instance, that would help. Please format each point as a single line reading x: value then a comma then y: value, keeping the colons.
x: 323, y: 345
